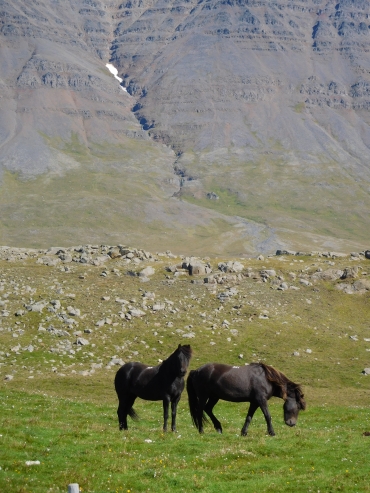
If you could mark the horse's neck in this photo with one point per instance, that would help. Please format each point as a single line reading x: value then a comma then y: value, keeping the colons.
x: 166, y: 366
x: 280, y: 391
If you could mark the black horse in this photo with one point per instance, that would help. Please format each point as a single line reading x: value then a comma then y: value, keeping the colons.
x: 254, y: 383
x: 164, y: 382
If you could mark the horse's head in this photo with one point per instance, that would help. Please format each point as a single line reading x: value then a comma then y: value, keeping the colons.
x: 183, y: 354
x: 294, y: 402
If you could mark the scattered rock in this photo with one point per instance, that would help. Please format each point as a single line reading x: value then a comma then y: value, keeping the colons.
x: 136, y: 312
x: 82, y: 342
x: 212, y: 196
x: 230, y: 266
x: 148, y: 271
x: 350, y: 273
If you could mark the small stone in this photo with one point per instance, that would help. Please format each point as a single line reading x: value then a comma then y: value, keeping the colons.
x: 32, y: 462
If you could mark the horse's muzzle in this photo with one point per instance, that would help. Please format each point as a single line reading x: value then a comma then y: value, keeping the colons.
x: 182, y: 373
x: 290, y: 422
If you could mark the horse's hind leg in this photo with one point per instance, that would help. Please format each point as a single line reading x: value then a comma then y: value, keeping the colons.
x: 122, y: 417
x: 173, y: 413
x: 200, y: 413
x: 252, y: 409
x: 212, y: 401
x: 124, y: 407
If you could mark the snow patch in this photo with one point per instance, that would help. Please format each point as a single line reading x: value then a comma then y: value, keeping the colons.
x: 112, y: 69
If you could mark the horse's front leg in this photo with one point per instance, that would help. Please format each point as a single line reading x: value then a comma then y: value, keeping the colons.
x: 252, y: 409
x: 173, y: 413
x: 166, y: 403
x: 266, y: 413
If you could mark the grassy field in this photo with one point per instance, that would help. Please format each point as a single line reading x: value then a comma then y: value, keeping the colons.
x: 130, y: 193
x: 317, y: 200
x: 60, y: 406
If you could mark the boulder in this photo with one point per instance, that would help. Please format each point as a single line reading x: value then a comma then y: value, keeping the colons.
x: 350, y: 273
x: 231, y: 266
x: 197, y: 268
x: 328, y: 275
x: 361, y: 285
x: 135, y: 312
x: 148, y: 271
x: 115, y: 252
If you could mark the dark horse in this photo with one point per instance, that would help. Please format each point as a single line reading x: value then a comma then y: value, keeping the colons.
x: 254, y: 383
x: 164, y: 382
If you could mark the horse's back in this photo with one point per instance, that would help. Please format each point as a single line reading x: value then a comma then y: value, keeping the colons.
x: 227, y: 382
x: 126, y: 373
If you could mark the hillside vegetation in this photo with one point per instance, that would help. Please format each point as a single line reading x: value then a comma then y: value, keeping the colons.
x: 71, y: 316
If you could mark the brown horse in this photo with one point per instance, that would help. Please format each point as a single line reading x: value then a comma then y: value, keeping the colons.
x: 254, y: 383
x: 164, y: 382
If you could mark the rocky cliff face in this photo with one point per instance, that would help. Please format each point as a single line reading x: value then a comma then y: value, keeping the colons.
x: 200, y: 69
x: 264, y: 105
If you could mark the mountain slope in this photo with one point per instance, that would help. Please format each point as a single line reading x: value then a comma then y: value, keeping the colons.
x: 244, y: 127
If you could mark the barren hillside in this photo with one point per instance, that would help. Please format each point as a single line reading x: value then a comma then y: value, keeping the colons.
x: 244, y: 126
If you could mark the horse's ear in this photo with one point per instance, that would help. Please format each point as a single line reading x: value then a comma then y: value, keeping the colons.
x: 179, y: 346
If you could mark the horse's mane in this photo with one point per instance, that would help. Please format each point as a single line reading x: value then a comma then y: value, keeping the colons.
x: 283, y: 382
x: 185, y: 350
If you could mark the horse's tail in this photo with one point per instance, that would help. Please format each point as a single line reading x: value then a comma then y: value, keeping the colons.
x: 194, y: 401
x: 119, y: 384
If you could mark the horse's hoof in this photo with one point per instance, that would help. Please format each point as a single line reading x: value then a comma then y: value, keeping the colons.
x: 243, y: 433
x: 272, y: 433
x: 219, y: 431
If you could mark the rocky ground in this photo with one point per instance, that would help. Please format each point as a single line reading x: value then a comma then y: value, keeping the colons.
x: 83, y: 311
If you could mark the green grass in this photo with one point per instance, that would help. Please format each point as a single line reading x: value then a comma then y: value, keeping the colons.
x: 51, y: 413
x: 78, y: 441
x: 289, y: 196
x: 104, y: 193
